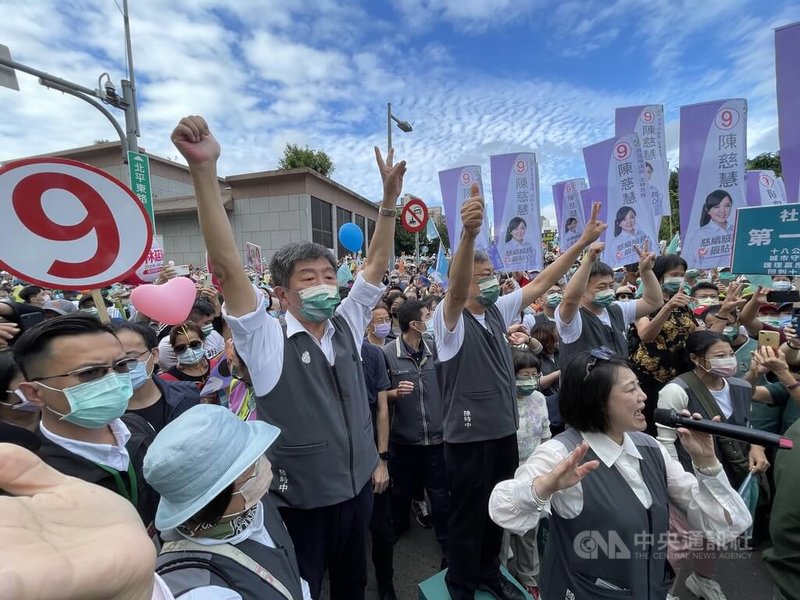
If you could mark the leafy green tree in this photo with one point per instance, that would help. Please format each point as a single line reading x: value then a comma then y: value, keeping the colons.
x: 664, y: 232
x: 404, y: 241
x: 295, y: 157
x: 768, y: 161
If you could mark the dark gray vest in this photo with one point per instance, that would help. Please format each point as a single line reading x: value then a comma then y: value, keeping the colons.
x: 479, y: 384
x: 326, y: 452
x: 741, y: 392
x: 416, y: 418
x: 614, y: 538
x: 595, y: 333
x: 185, y: 571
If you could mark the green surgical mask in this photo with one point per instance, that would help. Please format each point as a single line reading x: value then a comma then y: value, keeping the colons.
x: 692, y: 273
x: 726, y: 277
x: 672, y: 285
x: 553, y: 300
x: 731, y: 332
x: 319, y: 302
x: 527, y: 385
x: 489, y: 291
x: 604, y: 298
x: 96, y: 403
x: 223, y: 529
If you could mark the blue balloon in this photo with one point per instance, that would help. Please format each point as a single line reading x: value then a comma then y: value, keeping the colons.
x: 351, y: 237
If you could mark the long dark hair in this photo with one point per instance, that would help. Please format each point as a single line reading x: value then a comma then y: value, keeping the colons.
x: 622, y: 214
x: 715, y: 198
x: 512, y: 225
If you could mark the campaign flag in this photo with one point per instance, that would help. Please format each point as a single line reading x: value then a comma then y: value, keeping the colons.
x: 713, y: 153
x: 787, y: 77
x: 570, y: 215
x: 648, y: 123
x: 764, y: 189
x: 431, y: 232
x: 456, y: 186
x: 617, y: 174
x: 253, y: 257
x: 517, y: 222
x: 439, y: 274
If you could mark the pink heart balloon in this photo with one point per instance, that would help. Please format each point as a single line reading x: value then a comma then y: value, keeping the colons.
x: 169, y: 303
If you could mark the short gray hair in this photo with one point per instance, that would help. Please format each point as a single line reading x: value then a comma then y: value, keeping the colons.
x: 283, y: 262
x: 481, y: 256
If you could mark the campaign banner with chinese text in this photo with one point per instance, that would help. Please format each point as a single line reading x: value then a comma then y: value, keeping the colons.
x: 787, y: 77
x: 456, y: 187
x: 570, y: 215
x: 515, y: 200
x: 617, y: 174
x: 648, y: 123
x: 713, y: 154
x: 764, y: 189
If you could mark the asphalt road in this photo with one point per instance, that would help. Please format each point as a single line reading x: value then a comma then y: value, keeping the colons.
x: 417, y: 557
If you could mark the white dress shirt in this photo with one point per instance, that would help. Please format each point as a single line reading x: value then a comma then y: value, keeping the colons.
x: 115, y: 457
x: 448, y: 343
x: 711, y: 505
x: 570, y: 332
x: 255, y: 532
x: 259, y: 338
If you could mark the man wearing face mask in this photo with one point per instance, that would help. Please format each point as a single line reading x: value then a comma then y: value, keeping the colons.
x: 77, y: 372
x: 223, y: 537
x: 549, y: 301
x: 479, y: 397
x: 416, y: 444
x: 589, y: 317
x: 154, y: 399
x: 306, y: 374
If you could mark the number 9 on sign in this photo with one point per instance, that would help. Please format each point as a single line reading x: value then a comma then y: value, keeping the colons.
x: 622, y: 151
x: 68, y: 225
x: 727, y: 118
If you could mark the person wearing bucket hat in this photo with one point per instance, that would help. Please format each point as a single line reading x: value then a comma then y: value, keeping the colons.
x: 221, y: 530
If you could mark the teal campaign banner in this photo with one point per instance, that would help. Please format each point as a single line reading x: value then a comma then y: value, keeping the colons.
x: 767, y: 240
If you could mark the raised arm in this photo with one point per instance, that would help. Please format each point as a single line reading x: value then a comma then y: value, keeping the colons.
x: 382, y: 242
x: 462, y: 267
x: 556, y: 270
x: 749, y: 314
x: 652, y: 297
x: 571, y: 301
x: 201, y: 150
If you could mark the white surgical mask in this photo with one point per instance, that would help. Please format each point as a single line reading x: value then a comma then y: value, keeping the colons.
x: 722, y: 367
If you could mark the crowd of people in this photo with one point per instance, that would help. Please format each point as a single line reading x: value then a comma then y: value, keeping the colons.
x: 297, y: 420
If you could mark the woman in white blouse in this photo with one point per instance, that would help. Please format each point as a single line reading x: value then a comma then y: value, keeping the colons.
x: 608, y: 487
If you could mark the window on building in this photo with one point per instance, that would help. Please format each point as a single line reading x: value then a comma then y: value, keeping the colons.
x: 342, y: 216
x: 321, y: 222
x: 370, y: 232
x: 360, y: 221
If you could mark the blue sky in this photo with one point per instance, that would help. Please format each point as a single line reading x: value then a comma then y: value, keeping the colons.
x: 474, y: 77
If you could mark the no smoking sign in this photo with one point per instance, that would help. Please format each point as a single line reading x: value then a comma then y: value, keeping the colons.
x: 414, y: 215
x: 68, y: 225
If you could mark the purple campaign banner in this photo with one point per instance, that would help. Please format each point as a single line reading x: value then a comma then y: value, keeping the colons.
x: 764, y: 189
x: 515, y: 199
x: 787, y: 75
x: 713, y: 154
x: 456, y: 186
x: 648, y: 123
x: 570, y: 214
x: 588, y: 197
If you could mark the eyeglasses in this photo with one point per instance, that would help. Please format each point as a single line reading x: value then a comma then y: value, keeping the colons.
x: 92, y: 373
x: 138, y: 356
x: 601, y: 353
x: 195, y: 345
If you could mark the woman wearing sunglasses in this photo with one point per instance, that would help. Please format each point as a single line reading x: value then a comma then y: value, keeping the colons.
x: 609, y: 485
x: 223, y: 536
x: 186, y: 340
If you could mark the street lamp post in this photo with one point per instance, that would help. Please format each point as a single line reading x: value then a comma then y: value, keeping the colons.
x: 405, y: 127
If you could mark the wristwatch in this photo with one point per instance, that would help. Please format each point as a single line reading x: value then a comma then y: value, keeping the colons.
x: 387, y: 212
x: 789, y: 344
x: 383, y: 455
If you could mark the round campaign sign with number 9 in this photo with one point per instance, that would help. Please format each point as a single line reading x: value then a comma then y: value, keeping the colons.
x: 622, y: 151
x: 727, y: 118
x: 520, y: 166
x: 466, y: 178
x: 69, y: 226
x: 647, y: 116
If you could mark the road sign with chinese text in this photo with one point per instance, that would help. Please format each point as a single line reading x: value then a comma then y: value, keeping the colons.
x: 767, y: 240
x: 139, y: 171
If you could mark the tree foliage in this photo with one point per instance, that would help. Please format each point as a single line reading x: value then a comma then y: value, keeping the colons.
x: 295, y: 157
x: 404, y: 241
x: 768, y: 161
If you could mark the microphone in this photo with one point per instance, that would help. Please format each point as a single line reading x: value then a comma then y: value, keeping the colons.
x: 672, y: 418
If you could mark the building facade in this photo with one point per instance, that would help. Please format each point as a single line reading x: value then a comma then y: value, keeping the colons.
x: 268, y: 209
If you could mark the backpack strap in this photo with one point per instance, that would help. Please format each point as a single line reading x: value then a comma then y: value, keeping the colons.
x: 233, y: 553
x: 702, y: 394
